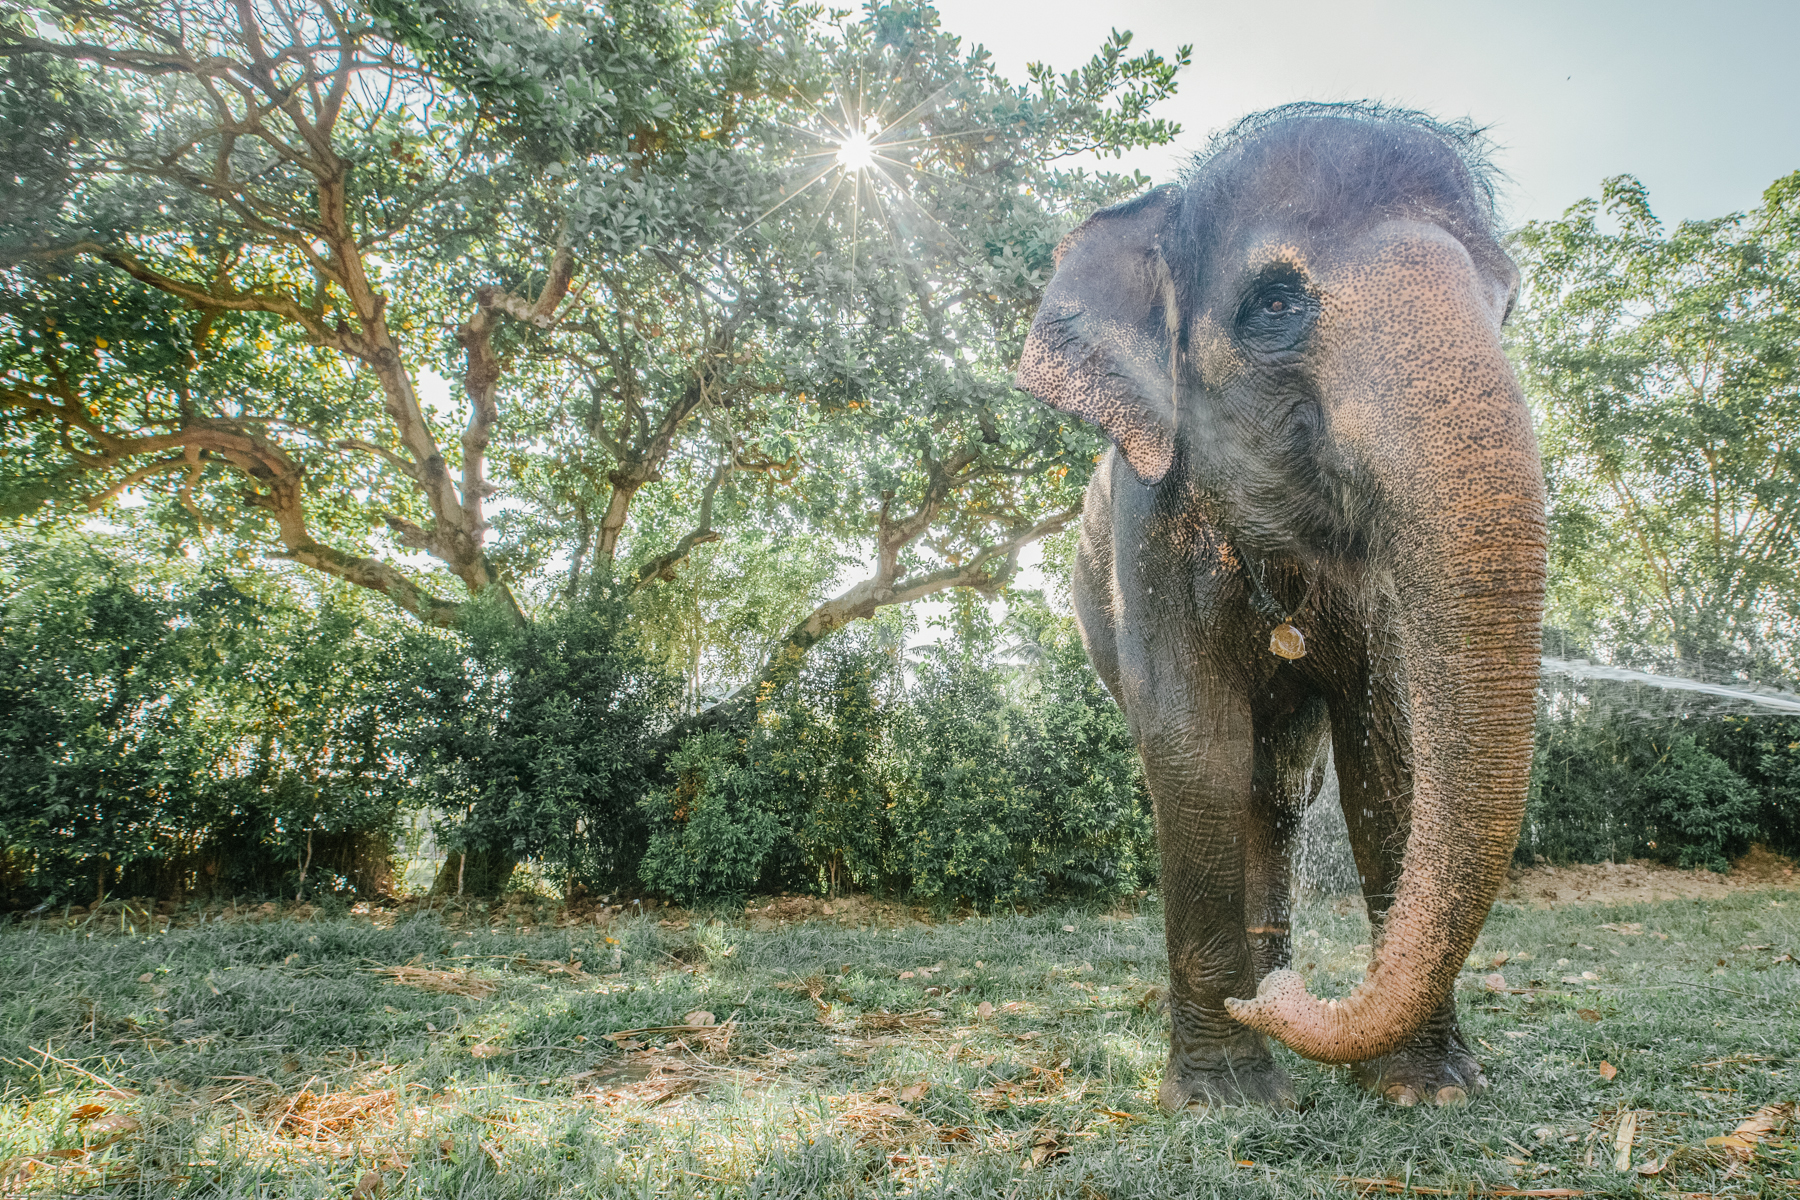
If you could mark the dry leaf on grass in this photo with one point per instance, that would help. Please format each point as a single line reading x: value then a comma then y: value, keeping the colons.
x: 1608, y: 1072
x: 1622, y: 1141
x: 1766, y: 1121
x: 368, y: 1187
x: 984, y: 1010
x: 327, y: 1122
x: 879, y: 1022
x: 88, y: 1112
x: 1588, y: 1014
x: 913, y: 1093
x: 1045, y: 1148
x: 700, y: 1018
x: 116, y: 1124
x: 460, y: 982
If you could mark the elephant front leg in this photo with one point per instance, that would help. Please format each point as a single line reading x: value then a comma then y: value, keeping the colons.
x: 1435, y: 1065
x: 1202, y: 793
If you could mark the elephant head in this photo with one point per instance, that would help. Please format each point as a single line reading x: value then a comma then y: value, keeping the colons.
x: 1302, y: 341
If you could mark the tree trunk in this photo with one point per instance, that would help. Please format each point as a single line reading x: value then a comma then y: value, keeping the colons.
x: 481, y: 874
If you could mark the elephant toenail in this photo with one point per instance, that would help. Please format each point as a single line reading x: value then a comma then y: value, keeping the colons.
x: 1451, y: 1094
x: 1402, y: 1095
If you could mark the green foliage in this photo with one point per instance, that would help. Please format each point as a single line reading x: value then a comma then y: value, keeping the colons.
x: 713, y: 830
x: 165, y: 728
x: 1665, y: 367
x: 1013, y: 795
x: 828, y: 736
x: 1702, y: 810
x: 1610, y: 784
x: 979, y: 783
x: 542, y: 736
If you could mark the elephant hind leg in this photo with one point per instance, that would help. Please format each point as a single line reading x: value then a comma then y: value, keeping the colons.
x: 1292, y: 748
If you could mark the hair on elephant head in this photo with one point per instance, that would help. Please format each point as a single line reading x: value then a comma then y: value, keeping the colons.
x: 1322, y: 525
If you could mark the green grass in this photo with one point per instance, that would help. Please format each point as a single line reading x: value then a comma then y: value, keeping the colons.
x: 245, y: 1033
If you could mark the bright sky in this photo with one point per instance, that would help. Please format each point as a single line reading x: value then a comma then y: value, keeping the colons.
x: 1696, y: 99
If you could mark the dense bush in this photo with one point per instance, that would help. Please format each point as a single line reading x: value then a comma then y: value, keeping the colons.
x: 165, y: 728
x: 711, y: 833
x: 978, y: 783
x: 1610, y: 783
x: 1013, y: 798
x: 541, y: 738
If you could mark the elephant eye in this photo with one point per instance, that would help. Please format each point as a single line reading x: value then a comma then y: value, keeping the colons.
x: 1276, y: 315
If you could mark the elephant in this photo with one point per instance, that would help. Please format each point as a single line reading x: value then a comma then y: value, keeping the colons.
x: 1318, y: 535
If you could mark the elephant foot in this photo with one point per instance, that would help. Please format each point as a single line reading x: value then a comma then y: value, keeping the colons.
x: 1237, y: 1072
x: 1435, y: 1067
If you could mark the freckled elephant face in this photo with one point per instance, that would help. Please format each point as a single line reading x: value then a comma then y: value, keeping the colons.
x: 1255, y: 322
x: 1296, y: 353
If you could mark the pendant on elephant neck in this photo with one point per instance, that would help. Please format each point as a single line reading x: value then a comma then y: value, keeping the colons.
x: 1287, y: 642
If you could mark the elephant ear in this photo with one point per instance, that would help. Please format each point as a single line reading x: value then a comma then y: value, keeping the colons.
x: 1103, y: 347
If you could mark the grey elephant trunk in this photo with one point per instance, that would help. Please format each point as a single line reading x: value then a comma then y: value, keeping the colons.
x: 1426, y: 400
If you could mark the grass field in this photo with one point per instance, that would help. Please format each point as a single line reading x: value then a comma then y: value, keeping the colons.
x: 465, y: 1056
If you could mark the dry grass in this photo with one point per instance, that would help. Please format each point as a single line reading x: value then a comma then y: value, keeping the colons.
x: 459, y: 982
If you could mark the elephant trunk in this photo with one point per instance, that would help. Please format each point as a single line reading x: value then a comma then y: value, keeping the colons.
x: 1427, y: 402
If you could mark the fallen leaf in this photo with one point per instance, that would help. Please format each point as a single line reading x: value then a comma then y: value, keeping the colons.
x: 87, y: 1112
x: 914, y: 1093
x: 1608, y: 1071
x: 1243, y: 1162
x: 1500, y: 959
x: 1068, y: 929
x: 1494, y: 983
x: 1588, y: 1014
x: 116, y: 1123
x: 700, y: 1017
x: 367, y: 1186
x: 1653, y: 1167
x: 1116, y: 1114
x: 146, y: 977
x: 906, y: 974
x: 1622, y: 1141
x: 1741, y: 1142
x: 984, y: 1010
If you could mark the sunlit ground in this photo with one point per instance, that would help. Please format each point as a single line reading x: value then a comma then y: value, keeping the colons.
x: 1008, y: 1057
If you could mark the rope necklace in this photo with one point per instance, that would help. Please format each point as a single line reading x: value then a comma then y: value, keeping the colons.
x: 1285, y: 641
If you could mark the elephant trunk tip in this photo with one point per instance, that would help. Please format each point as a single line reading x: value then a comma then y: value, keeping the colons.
x: 1321, y: 1030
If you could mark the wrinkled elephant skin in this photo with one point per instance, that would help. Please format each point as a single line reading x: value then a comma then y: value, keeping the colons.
x: 1319, y: 537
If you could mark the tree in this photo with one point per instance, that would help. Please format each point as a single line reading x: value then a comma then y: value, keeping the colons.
x: 802, y: 308
x: 230, y: 221
x: 1666, y: 371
